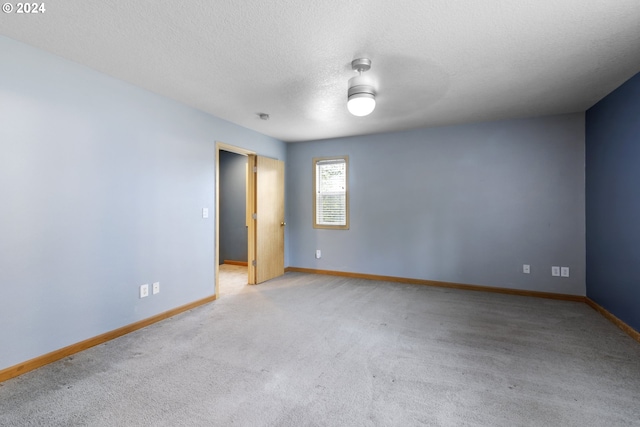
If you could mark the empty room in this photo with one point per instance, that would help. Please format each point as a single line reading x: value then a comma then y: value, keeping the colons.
x: 320, y: 213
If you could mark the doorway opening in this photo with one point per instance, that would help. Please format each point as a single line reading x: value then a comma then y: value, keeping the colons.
x: 263, y: 215
x: 233, y: 194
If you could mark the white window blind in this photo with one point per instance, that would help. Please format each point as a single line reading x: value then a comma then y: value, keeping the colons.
x: 331, y: 193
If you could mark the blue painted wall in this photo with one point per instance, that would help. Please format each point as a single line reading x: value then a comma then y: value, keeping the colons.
x: 102, y: 186
x: 468, y: 204
x: 233, y: 205
x: 613, y: 202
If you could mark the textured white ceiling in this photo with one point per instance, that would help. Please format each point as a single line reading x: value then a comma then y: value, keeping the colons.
x: 435, y: 62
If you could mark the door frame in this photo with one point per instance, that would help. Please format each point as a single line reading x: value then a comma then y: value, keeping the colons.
x: 250, y: 197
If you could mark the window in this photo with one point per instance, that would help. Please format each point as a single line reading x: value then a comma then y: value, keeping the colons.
x: 331, y: 192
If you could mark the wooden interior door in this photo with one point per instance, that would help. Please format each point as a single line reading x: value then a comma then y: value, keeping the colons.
x: 269, y: 219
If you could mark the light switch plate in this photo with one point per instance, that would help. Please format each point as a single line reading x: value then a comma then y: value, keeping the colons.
x: 205, y: 212
x: 526, y: 268
x: 555, y: 271
x: 564, y: 271
x: 156, y: 287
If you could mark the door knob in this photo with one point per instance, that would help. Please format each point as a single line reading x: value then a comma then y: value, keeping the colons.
x: 282, y: 224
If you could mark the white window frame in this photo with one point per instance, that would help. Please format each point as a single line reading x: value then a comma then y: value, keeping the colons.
x: 320, y: 160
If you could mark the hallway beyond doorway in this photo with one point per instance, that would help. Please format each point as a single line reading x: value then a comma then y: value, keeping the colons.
x: 233, y: 279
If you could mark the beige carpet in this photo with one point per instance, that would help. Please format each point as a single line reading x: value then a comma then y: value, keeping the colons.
x: 233, y: 279
x: 306, y: 350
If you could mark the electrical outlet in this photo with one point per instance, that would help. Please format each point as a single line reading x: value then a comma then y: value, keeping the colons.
x: 555, y: 271
x: 318, y: 253
x: 156, y: 287
x: 526, y: 268
x: 564, y: 271
x: 144, y: 290
x: 205, y: 212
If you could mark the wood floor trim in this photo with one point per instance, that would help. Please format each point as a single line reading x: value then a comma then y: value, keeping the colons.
x: 435, y: 283
x: 613, y: 319
x: 35, y: 363
x: 231, y: 262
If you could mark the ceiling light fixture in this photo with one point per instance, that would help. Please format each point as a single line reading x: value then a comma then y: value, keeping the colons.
x: 361, y: 97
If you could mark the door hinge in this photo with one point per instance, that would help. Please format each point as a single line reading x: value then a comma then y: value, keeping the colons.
x: 254, y: 216
x: 255, y: 169
x: 253, y: 263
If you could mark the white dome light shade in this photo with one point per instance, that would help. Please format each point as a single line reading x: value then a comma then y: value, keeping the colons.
x: 361, y: 104
x: 361, y: 97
